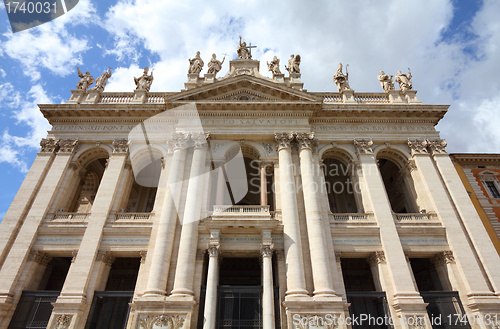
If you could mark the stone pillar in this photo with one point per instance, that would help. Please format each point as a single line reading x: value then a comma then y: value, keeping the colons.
x: 433, y: 174
x: 263, y: 184
x: 184, y: 272
x: 73, y: 297
x: 319, y: 252
x: 21, y: 246
x: 221, y: 186
x: 292, y: 239
x: 266, y: 252
x: 161, y: 247
x: 14, y: 218
x: 405, y: 298
x: 210, y: 313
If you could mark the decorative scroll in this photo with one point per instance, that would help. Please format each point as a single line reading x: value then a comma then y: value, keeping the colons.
x: 284, y: 140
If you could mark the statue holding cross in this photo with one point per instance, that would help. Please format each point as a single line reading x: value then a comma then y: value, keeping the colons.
x: 244, y: 51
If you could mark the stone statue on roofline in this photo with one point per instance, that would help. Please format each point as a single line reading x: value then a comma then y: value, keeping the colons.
x: 385, y: 81
x: 404, y: 80
x: 293, y: 64
x: 145, y: 80
x: 243, y: 51
x: 214, y: 66
x: 196, y: 64
x: 101, y: 81
x: 274, y: 66
x: 85, y: 80
x: 341, y: 79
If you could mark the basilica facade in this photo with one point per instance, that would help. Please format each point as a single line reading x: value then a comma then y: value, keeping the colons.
x: 245, y: 201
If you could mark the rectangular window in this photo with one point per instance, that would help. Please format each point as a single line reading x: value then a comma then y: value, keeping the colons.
x: 493, y: 189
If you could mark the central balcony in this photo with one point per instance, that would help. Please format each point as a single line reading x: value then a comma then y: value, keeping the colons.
x: 236, y: 212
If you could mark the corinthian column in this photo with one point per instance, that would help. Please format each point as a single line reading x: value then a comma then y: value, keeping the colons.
x: 210, y: 313
x: 161, y: 247
x: 319, y: 252
x: 184, y: 273
x: 266, y: 252
x: 292, y: 239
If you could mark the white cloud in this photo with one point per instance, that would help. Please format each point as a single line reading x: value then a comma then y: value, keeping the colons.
x: 50, y: 45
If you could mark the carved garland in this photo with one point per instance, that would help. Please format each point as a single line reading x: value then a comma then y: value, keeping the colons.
x: 163, y: 320
x: 63, y: 321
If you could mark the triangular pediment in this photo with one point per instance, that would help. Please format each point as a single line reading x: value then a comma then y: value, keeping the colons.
x: 244, y: 88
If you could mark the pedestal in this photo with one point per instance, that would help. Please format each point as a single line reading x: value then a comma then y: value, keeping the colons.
x: 209, y: 78
x: 93, y: 97
x: 76, y: 96
x: 395, y: 97
x: 140, y: 96
x: 411, y: 97
x: 279, y: 78
x: 294, y: 81
x: 348, y: 96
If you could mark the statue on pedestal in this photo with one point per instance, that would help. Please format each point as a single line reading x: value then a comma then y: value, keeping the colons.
x: 243, y: 51
x: 404, y: 80
x: 214, y: 66
x: 101, y: 82
x: 145, y: 80
x: 341, y: 80
x: 196, y: 64
x: 274, y: 66
x: 85, y: 80
x: 293, y: 64
x: 385, y: 81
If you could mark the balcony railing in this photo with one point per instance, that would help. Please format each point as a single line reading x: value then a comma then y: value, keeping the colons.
x: 134, y: 216
x: 69, y: 216
x: 240, y: 209
x: 352, y: 218
x: 415, y: 217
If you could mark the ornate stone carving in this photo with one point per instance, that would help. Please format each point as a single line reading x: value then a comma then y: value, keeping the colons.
x: 363, y: 146
x: 418, y: 146
x: 163, y: 320
x: 445, y: 257
x: 85, y: 80
x: 106, y: 257
x: 74, y: 253
x: 338, y: 255
x: 385, y: 81
x: 63, y: 321
x: 266, y: 250
x: 214, y: 66
x: 284, y: 140
x: 145, y: 81
x: 200, y: 139
x: 67, y: 145
x: 120, y: 146
x: 213, y: 250
x: 306, y: 141
x: 341, y: 80
x: 196, y: 64
x: 39, y: 257
x: 48, y: 145
x: 416, y: 321
x: 378, y: 257
x: 408, y: 168
x: 178, y: 140
x: 269, y: 148
x: 102, y: 81
x: 437, y: 146
x: 293, y: 64
x: 404, y: 80
x: 274, y: 66
x: 143, y: 254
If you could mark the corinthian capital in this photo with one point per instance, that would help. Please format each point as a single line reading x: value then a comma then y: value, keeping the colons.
x: 363, y: 146
x: 179, y: 140
x: 306, y: 141
x: 284, y: 140
x: 67, y: 145
x: 120, y: 146
x: 437, y: 146
x: 200, y: 139
x: 48, y: 145
x: 418, y: 146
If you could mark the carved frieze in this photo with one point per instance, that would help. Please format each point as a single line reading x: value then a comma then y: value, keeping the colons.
x: 171, y: 321
x: 63, y: 321
x: 363, y: 146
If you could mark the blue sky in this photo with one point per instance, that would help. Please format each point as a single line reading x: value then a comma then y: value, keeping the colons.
x: 452, y: 48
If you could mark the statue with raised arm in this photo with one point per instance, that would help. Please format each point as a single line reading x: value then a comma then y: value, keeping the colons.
x: 385, y: 81
x: 214, y: 66
x: 243, y: 51
x: 145, y: 80
x: 293, y: 64
x: 85, y: 80
x: 196, y: 64
x: 341, y: 79
x: 274, y: 66
x: 101, y: 82
x: 404, y: 80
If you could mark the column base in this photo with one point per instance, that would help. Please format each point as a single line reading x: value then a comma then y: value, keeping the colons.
x: 182, y: 293
x: 316, y: 313
x: 297, y: 293
x: 161, y: 314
